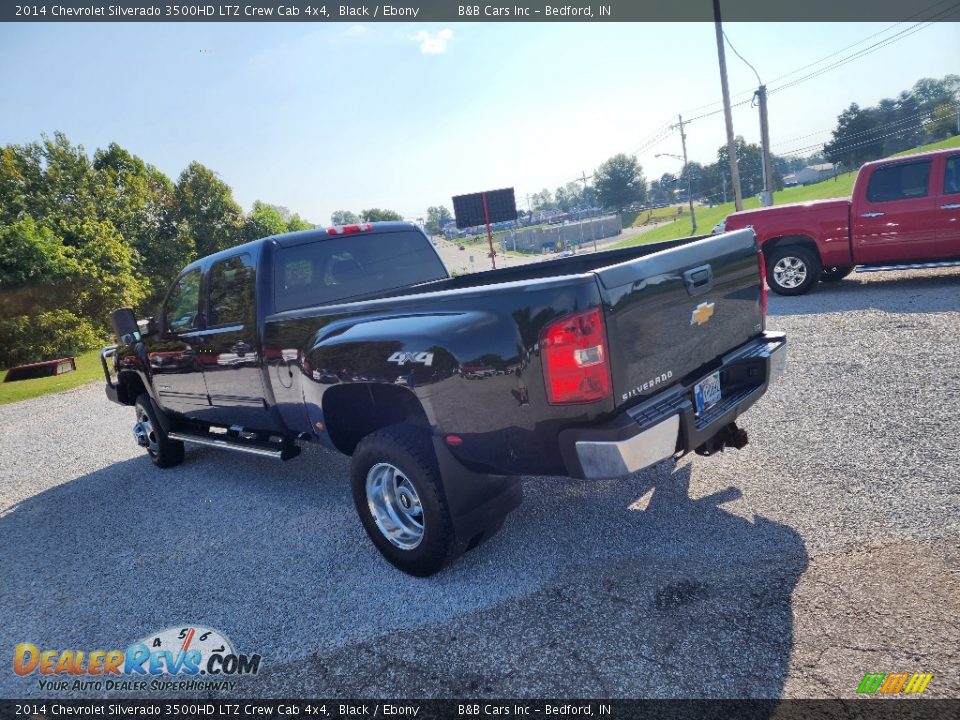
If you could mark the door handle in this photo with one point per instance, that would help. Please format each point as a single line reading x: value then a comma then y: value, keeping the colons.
x: 950, y: 206
x: 698, y: 280
x: 873, y: 214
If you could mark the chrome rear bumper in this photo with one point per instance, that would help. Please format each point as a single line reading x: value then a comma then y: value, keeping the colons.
x: 667, y: 423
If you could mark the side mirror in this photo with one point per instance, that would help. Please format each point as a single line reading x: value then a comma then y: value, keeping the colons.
x: 148, y: 327
x: 125, y: 326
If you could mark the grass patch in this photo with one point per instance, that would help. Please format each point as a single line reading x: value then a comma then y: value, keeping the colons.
x: 656, y: 215
x: 88, y: 370
x: 839, y: 187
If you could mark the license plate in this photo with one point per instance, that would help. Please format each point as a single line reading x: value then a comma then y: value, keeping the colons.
x: 706, y: 393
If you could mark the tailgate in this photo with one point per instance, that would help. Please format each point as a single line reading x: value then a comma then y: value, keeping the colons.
x: 679, y: 310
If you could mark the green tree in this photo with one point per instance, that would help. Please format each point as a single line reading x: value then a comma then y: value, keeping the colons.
x: 569, y: 196
x: 32, y: 255
x: 263, y: 221
x: 943, y: 123
x: 655, y: 193
x: 205, y: 205
x: 750, y: 166
x: 139, y: 200
x: 344, y: 217
x: 856, y: 139
x: 296, y: 223
x: 691, y: 176
x: 57, y: 234
x: 378, y: 215
x: 543, y: 200
x: 437, y: 217
x: 932, y: 94
x: 619, y: 182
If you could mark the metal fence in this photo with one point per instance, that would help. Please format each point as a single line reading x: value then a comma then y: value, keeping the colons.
x: 579, y: 233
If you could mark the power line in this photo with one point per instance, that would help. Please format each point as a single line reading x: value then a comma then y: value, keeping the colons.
x: 850, y: 58
x: 850, y: 146
x: 759, y: 81
x: 892, y: 123
x: 661, y: 135
x: 860, y: 42
x: 913, y: 29
x: 939, y: 15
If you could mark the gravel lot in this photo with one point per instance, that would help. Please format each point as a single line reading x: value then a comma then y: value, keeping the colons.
x: 825, y: 549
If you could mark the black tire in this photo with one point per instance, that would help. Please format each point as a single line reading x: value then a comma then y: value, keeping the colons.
x: 835, y: 274
x: 407, y: 450
x: 163, y: 451
x: 801, y: 270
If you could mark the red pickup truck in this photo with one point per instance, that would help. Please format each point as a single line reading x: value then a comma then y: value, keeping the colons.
x: 904, y: 214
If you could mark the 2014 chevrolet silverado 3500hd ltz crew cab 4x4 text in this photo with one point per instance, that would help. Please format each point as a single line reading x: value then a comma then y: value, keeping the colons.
x: 445, y: 390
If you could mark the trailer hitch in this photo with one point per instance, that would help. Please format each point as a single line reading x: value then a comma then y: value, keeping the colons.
x: 729, y: 436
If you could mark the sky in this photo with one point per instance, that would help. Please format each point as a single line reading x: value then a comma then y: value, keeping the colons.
x: 320, y: 117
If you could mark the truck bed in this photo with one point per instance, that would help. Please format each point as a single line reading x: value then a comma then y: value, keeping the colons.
x: 558, y: 267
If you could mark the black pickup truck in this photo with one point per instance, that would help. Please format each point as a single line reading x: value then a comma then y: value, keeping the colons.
x: 445, y: 390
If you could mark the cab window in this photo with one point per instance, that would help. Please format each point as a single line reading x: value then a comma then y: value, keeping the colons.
x: 904, y: 181
x: 181, y: 310
x: 231, y: 292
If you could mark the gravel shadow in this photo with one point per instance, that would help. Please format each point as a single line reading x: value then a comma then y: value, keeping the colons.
x: 626, y: 588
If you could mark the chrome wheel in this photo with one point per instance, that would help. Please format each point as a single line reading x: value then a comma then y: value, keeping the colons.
x: 144, y: 432
x: 395, y: 506
x: 790, y: 272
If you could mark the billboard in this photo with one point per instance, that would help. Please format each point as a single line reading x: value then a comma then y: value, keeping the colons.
x: 468, y: 209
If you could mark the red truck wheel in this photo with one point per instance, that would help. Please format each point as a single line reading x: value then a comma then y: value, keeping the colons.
x: 792, y: 269
x: 398, y: 495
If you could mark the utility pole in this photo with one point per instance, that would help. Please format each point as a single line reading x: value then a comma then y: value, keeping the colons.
x: 586, y: 196
x: 727, y: 116
x: 767, y: 197
x: 683, y: 142
x: 486, y: 219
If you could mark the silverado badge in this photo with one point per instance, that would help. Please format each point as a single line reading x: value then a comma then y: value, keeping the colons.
x: 701, y: 313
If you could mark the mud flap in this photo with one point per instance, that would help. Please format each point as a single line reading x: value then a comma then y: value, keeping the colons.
x: 478, y: 502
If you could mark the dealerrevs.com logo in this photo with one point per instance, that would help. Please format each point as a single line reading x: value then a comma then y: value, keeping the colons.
x: 894, y: 683
x: 197, y: 657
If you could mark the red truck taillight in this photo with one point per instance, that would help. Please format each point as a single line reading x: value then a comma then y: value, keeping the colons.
x: 763, y: 285
x: 576, y: 364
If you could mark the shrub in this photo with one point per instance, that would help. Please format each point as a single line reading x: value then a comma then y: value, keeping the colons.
x: 47, y: 336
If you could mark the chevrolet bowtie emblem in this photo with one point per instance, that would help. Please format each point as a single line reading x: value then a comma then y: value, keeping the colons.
x: 702, y: 313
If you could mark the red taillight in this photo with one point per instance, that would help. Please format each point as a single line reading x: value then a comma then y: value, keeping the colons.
x: 576, y: 364
x: 348, y: 229
x: 763, y: 285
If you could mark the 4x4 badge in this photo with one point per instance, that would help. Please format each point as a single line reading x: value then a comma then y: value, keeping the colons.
x: 701, y: 313
x: 402, y: 358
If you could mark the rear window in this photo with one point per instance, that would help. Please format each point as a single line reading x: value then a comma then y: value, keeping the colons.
x: 899, y: 182
x: 340, y: 268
